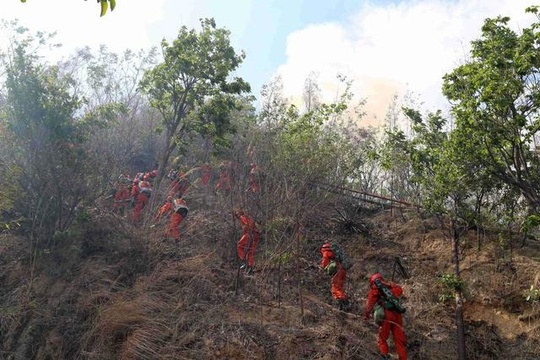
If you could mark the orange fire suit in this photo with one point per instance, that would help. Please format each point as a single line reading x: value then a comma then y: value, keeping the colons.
x: 247, y: 245
x: 206, y: 174
x: 393, y: 321
x: 338, y: 279
x: 179, y: 186
x: 121, y: 197
x: 140, y: 193
x: 178, y: 211
x: 225, y: 180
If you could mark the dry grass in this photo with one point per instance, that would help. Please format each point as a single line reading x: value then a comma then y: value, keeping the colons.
x: 129, y: 327
x: 136, y: 296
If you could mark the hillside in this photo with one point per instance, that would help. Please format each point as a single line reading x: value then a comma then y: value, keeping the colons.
x: 107, y: 290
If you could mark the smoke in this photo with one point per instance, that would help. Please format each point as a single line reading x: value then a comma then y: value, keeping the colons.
x: 393, y: 49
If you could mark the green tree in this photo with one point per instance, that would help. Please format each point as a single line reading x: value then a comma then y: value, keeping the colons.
x: 496, y: 99
x: 313, y: 139
x: 444, y: 188
x: 45, y: 158
x: 392, y: 155
x: 191, y: 88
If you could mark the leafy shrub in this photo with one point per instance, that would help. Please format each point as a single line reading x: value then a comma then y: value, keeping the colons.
x: 532, y: 295
x: 450, y: 284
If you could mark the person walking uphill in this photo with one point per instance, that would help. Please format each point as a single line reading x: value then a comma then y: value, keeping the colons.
x: 383, y: 297
x: 179, y: 183
x: 226, y: 177
x: 205, y: 174
x: 247, y: 245
x: 140, y: 194
x: 334, y: 266
x: 178, y: 211
x: 121, y: 194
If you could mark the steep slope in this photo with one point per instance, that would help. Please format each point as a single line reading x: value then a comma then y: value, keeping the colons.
x: 110, y: 291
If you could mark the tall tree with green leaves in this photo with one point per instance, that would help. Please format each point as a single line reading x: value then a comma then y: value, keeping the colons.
x: 496, y: 101
x: 45, y: 157
x: 443, y: 186
x: 191, y: 88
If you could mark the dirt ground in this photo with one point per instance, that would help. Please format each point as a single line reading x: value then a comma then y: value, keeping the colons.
x: 115, y: 292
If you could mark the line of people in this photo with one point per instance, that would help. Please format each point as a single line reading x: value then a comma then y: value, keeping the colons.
x: 139, y: 190
x: 389, y: 319
x: 227, y: 172
x: 135, y: 192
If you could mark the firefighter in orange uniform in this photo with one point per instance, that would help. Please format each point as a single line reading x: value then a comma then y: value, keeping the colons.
x: 247, y: 245
x: 205, y: 174
x: 121, y: 195
x: 393, y: 320
x: 225, y: 181
x: 338, y: 278
x: 179, y: 183
x: 140, y: 193
x: 177, y: 211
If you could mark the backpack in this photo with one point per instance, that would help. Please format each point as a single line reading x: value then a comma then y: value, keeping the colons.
x: 378, y: 314
x: 391, y: 302
x: 180, y: 207
x: 144, y: 187
x: 341, y: 257
x: 331, y: 268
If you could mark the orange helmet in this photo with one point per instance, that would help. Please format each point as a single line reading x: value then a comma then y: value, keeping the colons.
x: 326, y: 247
x: 144, y: 184
x: 375, y: 277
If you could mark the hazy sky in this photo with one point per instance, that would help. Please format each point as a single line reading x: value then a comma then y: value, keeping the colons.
x: 386, y: 47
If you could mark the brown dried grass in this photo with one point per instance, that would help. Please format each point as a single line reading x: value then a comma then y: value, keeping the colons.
x: 181, y: 304
x: 130, y: 326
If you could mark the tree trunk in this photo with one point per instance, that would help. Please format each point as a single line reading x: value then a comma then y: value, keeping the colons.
x: 163, y: 161
x: 462, y: 352
x: 297, y: 238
